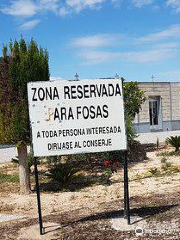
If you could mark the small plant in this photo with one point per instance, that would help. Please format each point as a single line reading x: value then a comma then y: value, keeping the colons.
x: 169, y: 168
x: 174, y: 141
x: 166, y: 154
x: 110, y: 168
x: 166, y: 166
x: 162, y: 154
x: 140, y: 177
x: 163, y: 160
x: 105, y: 178
x: 154, y: 172
x: 64, y: 173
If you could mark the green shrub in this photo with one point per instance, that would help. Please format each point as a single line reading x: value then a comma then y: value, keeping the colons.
x: 64, y: 173
x: 174, y: 141
x: 105, y: 178
x: 130, y: 132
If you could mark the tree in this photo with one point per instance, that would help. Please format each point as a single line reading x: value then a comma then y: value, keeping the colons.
x: 24, y: 63
x: 134, y: 97
x: 174, y: 141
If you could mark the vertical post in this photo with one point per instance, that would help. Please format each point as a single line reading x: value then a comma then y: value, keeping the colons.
x: 38, y: 196
x: 125, y: 207
x: 126, y: 185
x: 126, y: 190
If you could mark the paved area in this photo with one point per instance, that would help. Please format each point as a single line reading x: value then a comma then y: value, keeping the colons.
x: 120, y: 224
x: 7, y: 153
x: 5, y: 217
x: 153, y: 136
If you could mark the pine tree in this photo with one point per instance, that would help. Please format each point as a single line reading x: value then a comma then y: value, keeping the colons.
x: 25, y: 63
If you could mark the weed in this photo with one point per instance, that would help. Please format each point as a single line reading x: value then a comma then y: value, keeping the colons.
x: 153, y: 171
x: 166, y: 153
x: 162, y: 154
x: 166, y: 166
x: 8, y: 178
x: 139, y: 177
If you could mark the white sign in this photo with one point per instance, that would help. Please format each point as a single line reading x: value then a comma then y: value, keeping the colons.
x: 69, y: 117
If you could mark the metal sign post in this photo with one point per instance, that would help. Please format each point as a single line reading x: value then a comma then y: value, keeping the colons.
x: 126, y: 190
x: 38, y: 196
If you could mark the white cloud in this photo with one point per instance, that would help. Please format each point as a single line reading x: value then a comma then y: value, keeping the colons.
x: 116, y: 2
x: 141, y: 3
x: 96, y: 57
x: 48, y: 5
x: 167, y: 75
x: 155, y: 52
x: 148, y: 56
x: 29, y: 25
x: 28, y: 8
x: 99, y: 40
x: 171, y: 32
x: 175, y: 4
x: 76, y: 6
x: 55, y: 79
x: 91, y: 49
x: 79, y: 5
x: 63, y: 12
x: 23, y: 8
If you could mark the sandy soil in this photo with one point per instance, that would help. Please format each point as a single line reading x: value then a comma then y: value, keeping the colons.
x: 90, y: 199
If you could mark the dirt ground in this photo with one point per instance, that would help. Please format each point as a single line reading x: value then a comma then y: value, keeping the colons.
x: 89, y: 212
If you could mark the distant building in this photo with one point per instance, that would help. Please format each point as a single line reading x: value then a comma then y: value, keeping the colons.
x: 161, y: 110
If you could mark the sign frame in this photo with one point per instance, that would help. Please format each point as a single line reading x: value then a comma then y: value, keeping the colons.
x: 101, y: 133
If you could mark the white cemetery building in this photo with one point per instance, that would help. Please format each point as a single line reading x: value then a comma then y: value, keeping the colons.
x: 161, y: 110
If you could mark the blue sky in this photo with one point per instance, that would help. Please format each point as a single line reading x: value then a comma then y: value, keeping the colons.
x: 99, y: 38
